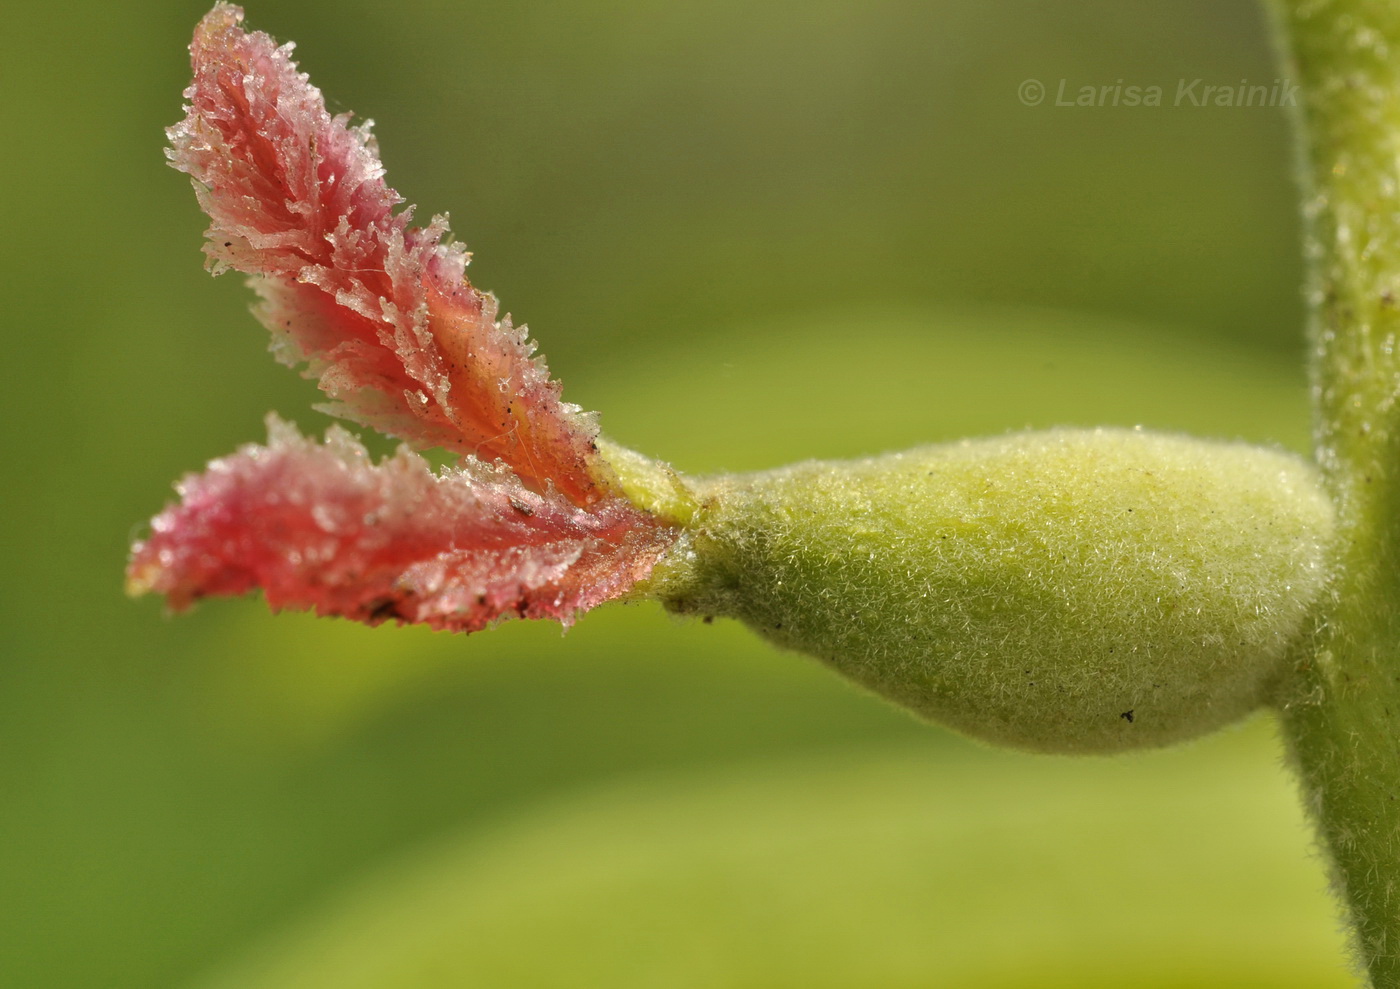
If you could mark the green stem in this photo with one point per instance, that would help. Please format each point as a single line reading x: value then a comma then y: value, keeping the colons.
x: 1341, y: 710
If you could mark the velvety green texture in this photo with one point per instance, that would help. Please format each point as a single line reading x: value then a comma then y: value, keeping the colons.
x: 1065, y: 591
x: 1342, y: 712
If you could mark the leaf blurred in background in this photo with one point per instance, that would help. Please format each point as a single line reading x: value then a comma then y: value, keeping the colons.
x: 890, y: 867
x: 749, y: 234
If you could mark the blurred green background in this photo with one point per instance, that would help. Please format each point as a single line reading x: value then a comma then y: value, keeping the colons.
x: 748, y: 233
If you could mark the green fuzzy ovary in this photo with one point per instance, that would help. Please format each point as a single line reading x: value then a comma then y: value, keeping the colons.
x: 1068, y: 591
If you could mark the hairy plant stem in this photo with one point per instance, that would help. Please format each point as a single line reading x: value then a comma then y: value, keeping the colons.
x: 1341, y: 707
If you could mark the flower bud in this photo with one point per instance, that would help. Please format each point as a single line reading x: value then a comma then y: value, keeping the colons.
x: 1065, y: 591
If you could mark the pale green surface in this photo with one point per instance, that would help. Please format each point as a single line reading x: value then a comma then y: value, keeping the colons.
x: 1063, y: 591
x: 890, y: 868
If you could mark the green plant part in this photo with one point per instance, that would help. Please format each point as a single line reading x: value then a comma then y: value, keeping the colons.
x: 1066, y: 591
x: 1341, y: 712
